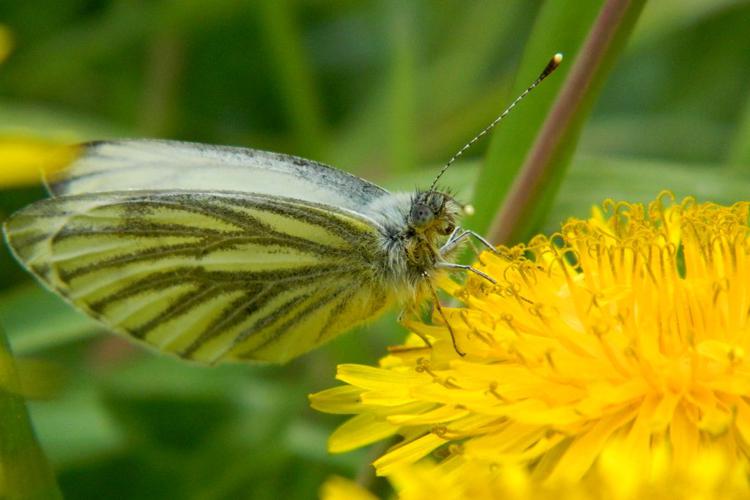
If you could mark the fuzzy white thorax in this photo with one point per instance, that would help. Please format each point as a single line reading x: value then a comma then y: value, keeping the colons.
x: 391, y: 213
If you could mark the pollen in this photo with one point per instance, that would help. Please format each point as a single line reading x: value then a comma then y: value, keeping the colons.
x: 629, y: 328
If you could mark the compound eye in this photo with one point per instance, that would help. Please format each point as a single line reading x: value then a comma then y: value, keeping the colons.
x: 421, y: 215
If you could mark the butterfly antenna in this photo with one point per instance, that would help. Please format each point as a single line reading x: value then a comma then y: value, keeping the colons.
x: 551, y: 66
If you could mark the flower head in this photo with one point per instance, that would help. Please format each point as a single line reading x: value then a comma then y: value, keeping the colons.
x: 616, y: 476
x: 630, y: 327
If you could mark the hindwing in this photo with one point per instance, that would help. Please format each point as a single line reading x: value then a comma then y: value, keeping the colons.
x: 208, y: 276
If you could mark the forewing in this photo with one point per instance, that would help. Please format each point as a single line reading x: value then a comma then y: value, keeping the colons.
x: 207, y: 276
x: 171, y: 165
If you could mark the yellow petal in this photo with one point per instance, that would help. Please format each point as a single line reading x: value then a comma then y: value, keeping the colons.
x: 684, y: 437
x: 439, y: 415
x: 360, y: 431
x: 339, y: 488
x: 586, y: 447
x: 375, y: 379
x: 406, y: 454
x: 343, y: 399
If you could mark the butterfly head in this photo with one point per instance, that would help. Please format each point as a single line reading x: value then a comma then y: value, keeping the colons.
x: 433, y: 212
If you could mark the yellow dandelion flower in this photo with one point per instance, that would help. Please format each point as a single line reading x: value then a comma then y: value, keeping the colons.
x: 631, y: 326
x: 617, y: 476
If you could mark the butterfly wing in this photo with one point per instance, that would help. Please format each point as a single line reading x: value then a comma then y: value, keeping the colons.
x: 153, y: 164
x: 207, y: 276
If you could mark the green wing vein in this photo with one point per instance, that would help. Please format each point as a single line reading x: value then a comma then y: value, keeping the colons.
x: 207, y: 276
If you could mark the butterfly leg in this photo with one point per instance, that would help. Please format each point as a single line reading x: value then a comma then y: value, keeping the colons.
x: 465, y: 267
x: 458, y: 235
x: 453, y: 240
x: 481, y: 239
x: 454, y: 234
x: 439, y: 308
x: 401, y: 316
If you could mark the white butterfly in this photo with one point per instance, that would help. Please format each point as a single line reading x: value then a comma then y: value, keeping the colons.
x: 218, y: 253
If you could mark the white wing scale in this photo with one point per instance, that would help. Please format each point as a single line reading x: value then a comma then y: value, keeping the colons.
x: 174, y: 165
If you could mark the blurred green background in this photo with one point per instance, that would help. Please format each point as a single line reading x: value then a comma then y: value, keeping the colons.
x: 386, y: 89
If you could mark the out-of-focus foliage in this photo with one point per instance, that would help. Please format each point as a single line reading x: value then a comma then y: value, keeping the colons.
x: 386, y: 89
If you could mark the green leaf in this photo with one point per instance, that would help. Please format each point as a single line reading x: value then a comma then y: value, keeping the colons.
x: 558, y: 28
x: 592, y: 39
x: 30, y: 331
x: 24, y: 471
x: 402, y: 95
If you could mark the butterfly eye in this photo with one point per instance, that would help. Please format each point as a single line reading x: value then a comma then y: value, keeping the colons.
x: 421, y: 215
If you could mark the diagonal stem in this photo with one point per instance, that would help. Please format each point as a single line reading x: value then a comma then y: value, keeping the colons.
x: 613, y: 24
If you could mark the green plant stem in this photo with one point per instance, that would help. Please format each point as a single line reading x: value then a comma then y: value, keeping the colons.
x: 402, y: 128
x: 541, y: 173
x: 557, y: 28
x: 24, y: 470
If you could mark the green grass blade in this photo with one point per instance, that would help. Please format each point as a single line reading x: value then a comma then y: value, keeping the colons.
x: 24, y: 470
x: 295, y: 77
x: 402, y: 126
x: 594, y: 38
x: 558, y: 28
x: 532, y: 193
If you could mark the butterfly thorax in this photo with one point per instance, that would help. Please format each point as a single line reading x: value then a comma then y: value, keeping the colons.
x: 414, y: 228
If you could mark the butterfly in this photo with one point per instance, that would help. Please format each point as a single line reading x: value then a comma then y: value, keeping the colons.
x: 217, y: 253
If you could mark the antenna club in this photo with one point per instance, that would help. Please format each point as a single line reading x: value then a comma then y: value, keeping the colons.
x: 552, y: 65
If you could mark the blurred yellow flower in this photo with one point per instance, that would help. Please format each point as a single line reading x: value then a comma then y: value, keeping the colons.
x: 630, y: 327
x: 339, y: 488
x: 617, y: 476
x: 26, y: 160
